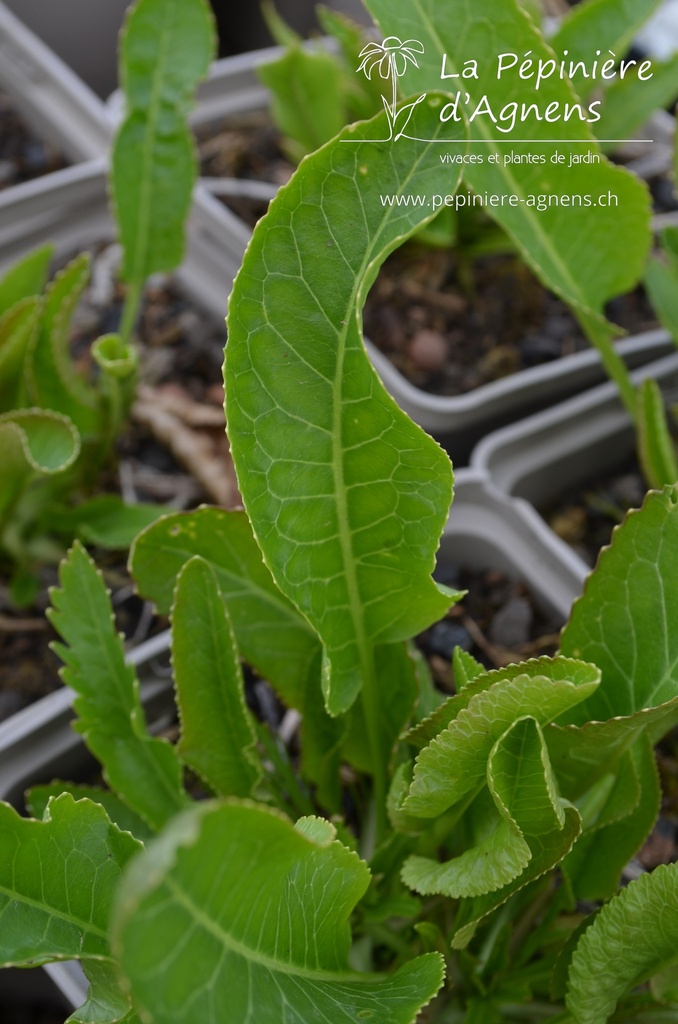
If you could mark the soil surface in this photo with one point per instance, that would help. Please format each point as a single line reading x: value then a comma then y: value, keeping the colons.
x: 22, y: 155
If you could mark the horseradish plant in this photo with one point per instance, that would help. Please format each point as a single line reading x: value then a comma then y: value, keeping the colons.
x: 421, y: 854
x: 57, y: 427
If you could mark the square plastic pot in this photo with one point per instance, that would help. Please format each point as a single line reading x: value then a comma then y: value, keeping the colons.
x: 546, y: 454
x: 53, y: 100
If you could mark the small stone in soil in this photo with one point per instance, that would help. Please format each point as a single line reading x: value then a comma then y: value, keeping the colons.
x: 539, y: 348
x: 511, y: 626
x: 428, y: 349
x: 446, y: 635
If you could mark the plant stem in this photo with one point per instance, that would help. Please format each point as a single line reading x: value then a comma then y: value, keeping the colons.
x: 130, y: 310
x: 598, y: 334
x: 371, y: 711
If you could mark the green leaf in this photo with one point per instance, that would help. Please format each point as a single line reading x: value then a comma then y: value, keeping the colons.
x: 465, y: 668
x: 117, y: 810
x: 629, y: 102
x: 79, y: 852
x: 600, y: 25
x: 191, y: 942
x: 52, y: 380
x: 17, y: 331
x: 339, y: 484
x: 34, y: 444
x: 218, y: 738
x: 306, y: 97
x: 480, y: 679
x: 143, y: 771
x: 398, y: 669
x: 546, y: 851
x: 283, y: 34
x: 599, y: 856
x: 454, y: 764
x: 361, y: 95
x: 106, y: 1003
x: 270, y: 634
x: 656, y: 448
x: 525, y: 796
x: 624, y: 620
x: 26, y: 278
x: 632, y: 938
x: 661, y: 281
x: 106, y: 521
x: 166, y: 47
x: 586, y: 254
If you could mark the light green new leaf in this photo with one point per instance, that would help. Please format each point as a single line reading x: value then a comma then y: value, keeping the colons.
x: 34, y: 444
x: 117, y: 810
x: 166, y: 48
x: 455, y: 762
x: 625, y: 620
x: 218, y: 738
x: 526, y: 803
x: 629, y: 102
x: 17, y: 331
x: 347, y: 497
x: 656, y: 448
x: 26, y: 278
x: 476, y: 679
x: 51, y: 376
x: 632, y: 938
x: 605, y: 25
x: 58, y: 878
x: 234, y: 907
x: 546, y: 851
x: 465, y: 668
x: 599, y: 856
x: 143, y: 771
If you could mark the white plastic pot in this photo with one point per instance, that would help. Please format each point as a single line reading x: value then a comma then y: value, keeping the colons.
x: 545, y: 455
x: 53, y: 100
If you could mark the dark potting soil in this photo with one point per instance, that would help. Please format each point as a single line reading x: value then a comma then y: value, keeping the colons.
x: 586, y: 516
x: 22, y: 155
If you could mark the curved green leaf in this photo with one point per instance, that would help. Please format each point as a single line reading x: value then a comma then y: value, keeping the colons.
x: 48, y: 872
x: 17, y: 331
x: 347, y: 497
x: 234, y: 907
x: 119, y: 813
x: 51, y: 377
x: 26, y: 278
x: 625, y: 620
x: 475, y: 679
x: 455, y: 762
x: 143, y: 771
x: 630, y: 102
x: 34, y: 444
x: 105, y: 521
x: 525, y: 796
x: 632, y: 938
x: 218, y: 739
x: 105, y: 1003
x: 166, y: 48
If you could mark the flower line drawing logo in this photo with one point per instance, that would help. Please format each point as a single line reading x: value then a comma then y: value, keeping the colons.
x: 390, y: 58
